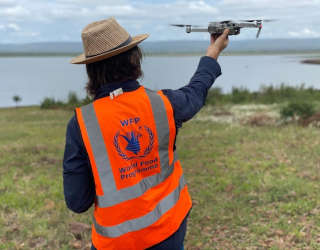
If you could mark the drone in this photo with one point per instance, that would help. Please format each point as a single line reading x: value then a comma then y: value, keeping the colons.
x: 217, y: 28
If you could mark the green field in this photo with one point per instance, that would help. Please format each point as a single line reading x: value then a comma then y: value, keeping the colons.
x: 253, y: 187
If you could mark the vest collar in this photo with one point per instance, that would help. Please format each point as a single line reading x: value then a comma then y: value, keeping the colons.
x: 126, y: 86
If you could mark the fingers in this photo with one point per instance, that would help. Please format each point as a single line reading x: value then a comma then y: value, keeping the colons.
x: 212, y: 38
x: 225, y: 34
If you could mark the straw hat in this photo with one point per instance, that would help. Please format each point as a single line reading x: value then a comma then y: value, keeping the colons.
x: 104, y: 39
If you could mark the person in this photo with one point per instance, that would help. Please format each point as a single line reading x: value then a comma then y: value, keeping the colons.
x: 120, y: 149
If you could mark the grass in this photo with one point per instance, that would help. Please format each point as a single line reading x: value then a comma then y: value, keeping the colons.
x: 252, y: 187
x: 32, y: 211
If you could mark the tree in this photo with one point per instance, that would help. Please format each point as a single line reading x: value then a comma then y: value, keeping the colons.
x: 16, y: 99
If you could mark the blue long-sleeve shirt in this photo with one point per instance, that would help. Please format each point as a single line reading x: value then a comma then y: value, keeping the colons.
x: 79, y: 188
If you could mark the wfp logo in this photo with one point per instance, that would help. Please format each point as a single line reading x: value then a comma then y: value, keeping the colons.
x: 133, y: 142
x: 133, y: 146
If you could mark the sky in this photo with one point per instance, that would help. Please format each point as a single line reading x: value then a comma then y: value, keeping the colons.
x: 27, y: 21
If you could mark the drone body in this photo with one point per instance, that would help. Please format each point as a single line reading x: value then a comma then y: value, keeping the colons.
x: 217, y: 28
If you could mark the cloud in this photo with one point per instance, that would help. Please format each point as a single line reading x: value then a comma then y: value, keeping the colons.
x: 126, y: 10
x: 16, y: 11
x: 117, y: 10
x: 274, y: 4
x: 68, y: 17
x: 93, y: 2
x: 103, y: 11
x: 202, y: 7
x: 11, y: 27
x: 306, y: 32
x: 6, y: 2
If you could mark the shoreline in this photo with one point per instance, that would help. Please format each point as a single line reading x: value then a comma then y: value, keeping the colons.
x: 169, y: 54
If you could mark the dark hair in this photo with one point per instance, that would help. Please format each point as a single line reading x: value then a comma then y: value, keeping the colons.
x: 123, y: 67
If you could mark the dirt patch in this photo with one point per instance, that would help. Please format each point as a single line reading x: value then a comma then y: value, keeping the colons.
x: 37, y: 149
x: 37, y: 243
x: 222, y: 113
x: 259, y: 119
x: 219, y: 119
x: 78, y: 228
x: 49, y: 161
x: 313, y: 121
x: 254, y: 115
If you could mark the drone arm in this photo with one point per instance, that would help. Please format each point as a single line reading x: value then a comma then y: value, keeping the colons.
x: 248, y: 25
x: 192, y: 29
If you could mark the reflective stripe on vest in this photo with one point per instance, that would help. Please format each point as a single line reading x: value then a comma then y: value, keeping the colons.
x: 113, y: 196
x: 136, y: 224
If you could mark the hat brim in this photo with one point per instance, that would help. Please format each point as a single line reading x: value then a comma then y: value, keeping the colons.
x: 82, y: 59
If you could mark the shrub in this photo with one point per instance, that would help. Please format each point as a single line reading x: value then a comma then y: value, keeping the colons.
x: 73, y: 98
x: 215, y: 96
x: 47, y: 103
x: 50, y: 103
x: 86, y: 100
x: 294, y: 110
x: 266, y: 95
x: 72, y: 102
x: 240, y: 95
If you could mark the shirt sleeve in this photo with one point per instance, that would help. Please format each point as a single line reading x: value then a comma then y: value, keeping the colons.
x: 188, y: 100
x: 78, y: 182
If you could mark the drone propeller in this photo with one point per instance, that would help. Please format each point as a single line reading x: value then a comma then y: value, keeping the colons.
x: 250, y: 20
x: 259, y: 31
x: 269, y: 20
x: 184, y: 25
x: 179, y: 25
x: 259, y: 20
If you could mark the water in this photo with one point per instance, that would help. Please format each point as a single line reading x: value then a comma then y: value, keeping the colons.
x: 34, y: 78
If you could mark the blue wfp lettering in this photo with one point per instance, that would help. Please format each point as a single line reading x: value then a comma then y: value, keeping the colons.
x: 129, y: 121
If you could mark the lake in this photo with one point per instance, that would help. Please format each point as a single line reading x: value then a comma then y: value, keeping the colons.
x: 34, y: 78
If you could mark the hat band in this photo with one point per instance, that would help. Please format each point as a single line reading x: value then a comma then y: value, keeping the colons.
x: 125, y: 43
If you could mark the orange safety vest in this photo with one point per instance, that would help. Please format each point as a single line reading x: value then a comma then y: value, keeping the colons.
x: 141, y: 195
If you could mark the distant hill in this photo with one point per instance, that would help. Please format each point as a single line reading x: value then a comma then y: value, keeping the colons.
x: 45, y: 47
x: 269, y: 45
x: 176, y: 47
